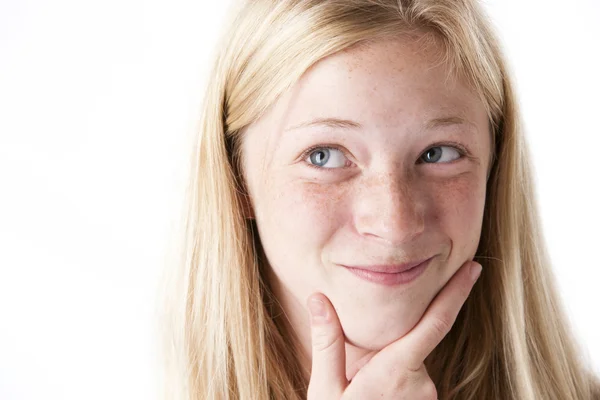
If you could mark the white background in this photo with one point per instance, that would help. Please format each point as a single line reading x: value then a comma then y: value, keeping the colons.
x: 97, y: 100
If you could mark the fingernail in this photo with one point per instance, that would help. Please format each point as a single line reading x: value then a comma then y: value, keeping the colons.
x: 317, y: 309
x: 475, y: 271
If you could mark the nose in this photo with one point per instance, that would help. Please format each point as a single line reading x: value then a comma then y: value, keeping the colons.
x: 390, y: 208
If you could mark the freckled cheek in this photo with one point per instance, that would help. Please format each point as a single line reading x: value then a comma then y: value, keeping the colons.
x: 309, y: 211
x: 459, y: 198
x: 296, y: 221
x: 459, y: 205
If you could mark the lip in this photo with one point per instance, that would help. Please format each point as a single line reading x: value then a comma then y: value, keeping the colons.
x: 390, y: 275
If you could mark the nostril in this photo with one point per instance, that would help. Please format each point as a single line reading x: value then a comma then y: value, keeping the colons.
x: 391, y: 210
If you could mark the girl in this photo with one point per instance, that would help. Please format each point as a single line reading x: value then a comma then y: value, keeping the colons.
x: 356, y: 161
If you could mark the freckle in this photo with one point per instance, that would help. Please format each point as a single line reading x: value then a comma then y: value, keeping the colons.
x: 325, y: 199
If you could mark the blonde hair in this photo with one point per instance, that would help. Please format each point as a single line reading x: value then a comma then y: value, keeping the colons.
x: 511, y: 340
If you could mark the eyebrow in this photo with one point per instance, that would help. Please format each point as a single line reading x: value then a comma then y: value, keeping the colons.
x: 327, y: 122
x: 353, y: 125
x: 447, y: 121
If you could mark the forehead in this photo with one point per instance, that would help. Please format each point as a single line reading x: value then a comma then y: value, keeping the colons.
x: 384, y: 81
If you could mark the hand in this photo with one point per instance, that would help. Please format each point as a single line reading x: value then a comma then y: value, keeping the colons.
x: 395, y: 372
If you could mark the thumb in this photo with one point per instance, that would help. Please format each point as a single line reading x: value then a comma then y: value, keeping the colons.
x: 328, y: 373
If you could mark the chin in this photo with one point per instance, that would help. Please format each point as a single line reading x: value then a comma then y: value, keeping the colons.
x: 375, y: 334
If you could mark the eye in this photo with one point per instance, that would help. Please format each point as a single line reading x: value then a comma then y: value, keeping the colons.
x: 444, y: 153
x: 325, y: 157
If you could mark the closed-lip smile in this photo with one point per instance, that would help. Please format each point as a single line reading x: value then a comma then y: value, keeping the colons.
x: 390, y: 274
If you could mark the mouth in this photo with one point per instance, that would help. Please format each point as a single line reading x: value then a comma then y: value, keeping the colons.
x: 390, y: 275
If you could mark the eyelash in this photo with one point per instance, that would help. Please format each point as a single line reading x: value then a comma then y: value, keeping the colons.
x: 462, y: 150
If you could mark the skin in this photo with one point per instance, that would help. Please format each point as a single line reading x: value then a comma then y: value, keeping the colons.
x: 378, y: 202
x: 398, y: 370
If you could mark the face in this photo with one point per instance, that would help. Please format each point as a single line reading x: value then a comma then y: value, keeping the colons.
x: 373, y: 158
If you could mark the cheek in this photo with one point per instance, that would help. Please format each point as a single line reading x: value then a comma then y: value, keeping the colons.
x: 303, y: 206
x: 459, y: 205
x: 296, y: 220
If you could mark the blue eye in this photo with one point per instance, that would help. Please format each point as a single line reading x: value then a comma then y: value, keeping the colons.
x: 328, y: 157
x: 320, y: 156
x: 435, y: 154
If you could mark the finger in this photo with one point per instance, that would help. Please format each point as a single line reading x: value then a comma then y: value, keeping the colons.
x: 351, y: 370
x: 328, y: 373
x: 438, y: 318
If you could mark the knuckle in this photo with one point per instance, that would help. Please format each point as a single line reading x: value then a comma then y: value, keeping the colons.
x: 442, y: 323
x: 324, y: 340
x: 401, y: 381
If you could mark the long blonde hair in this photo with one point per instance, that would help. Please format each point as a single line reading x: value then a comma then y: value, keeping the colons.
x: 512, y: 339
